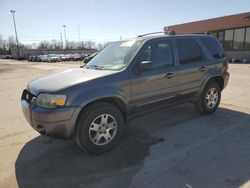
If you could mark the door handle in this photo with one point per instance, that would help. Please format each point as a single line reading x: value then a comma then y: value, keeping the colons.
x: 169, y: 75
x: 202, y: 69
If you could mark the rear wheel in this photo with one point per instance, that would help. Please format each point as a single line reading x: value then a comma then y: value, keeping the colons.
x: 210, y: 99
x: 99, y: 128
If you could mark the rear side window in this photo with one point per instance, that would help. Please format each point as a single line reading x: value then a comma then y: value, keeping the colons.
x: 189, y: 51
x: 214, y: 47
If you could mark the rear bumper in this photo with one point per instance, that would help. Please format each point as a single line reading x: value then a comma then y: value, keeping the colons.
x: 56, y: 122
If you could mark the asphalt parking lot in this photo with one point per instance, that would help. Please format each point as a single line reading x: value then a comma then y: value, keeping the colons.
x: 175, y: 147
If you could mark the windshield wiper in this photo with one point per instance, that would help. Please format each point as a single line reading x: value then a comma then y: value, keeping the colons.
x: 98, y: 67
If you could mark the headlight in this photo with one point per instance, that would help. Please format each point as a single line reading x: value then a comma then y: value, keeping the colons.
x: 50, y: 100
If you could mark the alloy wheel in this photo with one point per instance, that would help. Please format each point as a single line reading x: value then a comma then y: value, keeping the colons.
x: 103, y: 129
x: 212, y: 98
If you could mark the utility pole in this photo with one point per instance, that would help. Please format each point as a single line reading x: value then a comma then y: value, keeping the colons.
x: 61, y: 40
x: 64, y: 26
x: 18, y: 52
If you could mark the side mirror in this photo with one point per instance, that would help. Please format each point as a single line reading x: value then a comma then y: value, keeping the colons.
x: 82, y: 64
x: 146, y: 65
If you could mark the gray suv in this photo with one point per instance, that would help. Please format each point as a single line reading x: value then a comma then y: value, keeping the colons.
x: 128, y: 78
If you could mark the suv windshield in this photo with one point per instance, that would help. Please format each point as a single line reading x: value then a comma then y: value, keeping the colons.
x: 115, y: 56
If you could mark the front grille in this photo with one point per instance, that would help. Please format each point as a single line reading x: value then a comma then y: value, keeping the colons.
x: 27, y: 96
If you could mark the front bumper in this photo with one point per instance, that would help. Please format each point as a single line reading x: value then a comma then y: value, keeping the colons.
x: 56, y: 122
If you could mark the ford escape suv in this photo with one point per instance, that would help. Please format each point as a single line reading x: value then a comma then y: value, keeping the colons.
x: 128, y: 78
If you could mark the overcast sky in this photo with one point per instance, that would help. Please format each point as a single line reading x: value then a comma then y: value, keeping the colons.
x: 106, y: 20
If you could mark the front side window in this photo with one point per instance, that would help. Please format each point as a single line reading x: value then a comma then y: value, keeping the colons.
x: 239, y: 39
x: 189, y: 51
x: 115, y: 56
x: 160, y: 53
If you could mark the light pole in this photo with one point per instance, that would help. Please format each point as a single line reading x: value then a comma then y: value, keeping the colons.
x: 61, y: 41
x: 64, y: 26
x: 13, y: 14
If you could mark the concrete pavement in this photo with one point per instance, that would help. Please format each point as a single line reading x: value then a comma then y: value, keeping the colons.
x: 175, y: 147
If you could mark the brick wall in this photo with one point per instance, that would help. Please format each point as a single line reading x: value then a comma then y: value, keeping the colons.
x: 221, y: 23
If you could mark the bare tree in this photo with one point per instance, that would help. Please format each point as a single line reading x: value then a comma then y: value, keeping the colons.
x: 44, y: 45
x: 89, y: 44
x: 55, y: 44
x: 2, y: 43
x: 7, y: 45
x: 72, y: 44
x: 100, y: 46
x: 11, y: 42
x: 34, y: 45
x: 80, y: 45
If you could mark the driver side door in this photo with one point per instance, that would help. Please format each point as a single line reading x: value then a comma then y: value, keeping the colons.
x: 161, y: 81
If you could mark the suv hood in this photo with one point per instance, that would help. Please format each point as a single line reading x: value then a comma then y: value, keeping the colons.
x: 65, y: 79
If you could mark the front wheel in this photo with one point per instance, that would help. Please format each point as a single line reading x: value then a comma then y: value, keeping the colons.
x: 99, y: 128
x: 210, y: 99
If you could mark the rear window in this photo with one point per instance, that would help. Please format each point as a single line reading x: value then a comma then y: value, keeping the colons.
x: 189, y: 51
x: 214, y: 47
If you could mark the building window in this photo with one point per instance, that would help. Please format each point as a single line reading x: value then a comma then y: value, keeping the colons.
x: 239, y: 39
x: 228, y: 42
x: 247, y: 41
x: 215, y: 33
x: 221, y: 36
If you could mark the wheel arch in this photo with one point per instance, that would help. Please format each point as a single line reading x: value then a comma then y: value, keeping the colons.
x: 199, y: 103
x: 116, y: 101
x: 218, y: 79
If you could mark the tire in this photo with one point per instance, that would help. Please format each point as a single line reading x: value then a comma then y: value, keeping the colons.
x: 210, y: 99
x: 93, y: 134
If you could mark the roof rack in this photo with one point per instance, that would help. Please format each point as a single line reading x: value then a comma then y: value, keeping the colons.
x: 203, y: 33
x: 153, y: 33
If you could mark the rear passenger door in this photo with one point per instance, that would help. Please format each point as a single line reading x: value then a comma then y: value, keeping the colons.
x: 192, y: 63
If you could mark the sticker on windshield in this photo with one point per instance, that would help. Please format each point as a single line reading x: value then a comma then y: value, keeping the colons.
x: 128, y: 43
